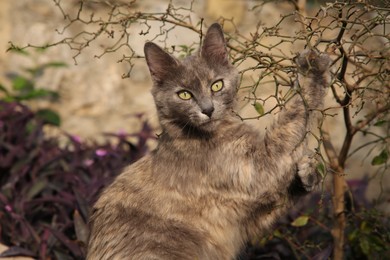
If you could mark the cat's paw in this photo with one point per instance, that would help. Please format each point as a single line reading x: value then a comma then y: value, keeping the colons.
x: 307, y: 172
x: 312, y: 62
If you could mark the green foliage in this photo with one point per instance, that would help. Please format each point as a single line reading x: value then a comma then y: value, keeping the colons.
x: 306, y: 232
x: 381, y: 158
x: 300, y: 221
x: 321, y: 169
x: 259, y: 108
x: 369, y: 238
x: 48, y: 116
x: 24, y: 88
x: 185, y: 50
x: 380, y: 123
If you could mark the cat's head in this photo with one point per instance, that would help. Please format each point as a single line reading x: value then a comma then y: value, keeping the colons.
x: 198, y: 92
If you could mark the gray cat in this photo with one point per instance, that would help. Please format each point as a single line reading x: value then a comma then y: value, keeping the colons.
x: 213, y: 182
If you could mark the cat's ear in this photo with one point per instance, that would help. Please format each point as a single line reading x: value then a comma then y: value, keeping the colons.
x: 214, y: 46
x: 160, y: 63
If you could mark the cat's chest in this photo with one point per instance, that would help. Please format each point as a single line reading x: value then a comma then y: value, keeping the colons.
x: 223, y: 164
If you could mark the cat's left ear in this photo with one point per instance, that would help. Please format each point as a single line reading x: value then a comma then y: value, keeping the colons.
x: 214, y: 46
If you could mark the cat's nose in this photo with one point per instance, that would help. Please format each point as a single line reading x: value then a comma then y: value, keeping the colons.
x: 208, y: 111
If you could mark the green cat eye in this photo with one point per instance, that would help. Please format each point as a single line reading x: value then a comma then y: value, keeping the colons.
x: 217, y: 86
x: 185, y: 95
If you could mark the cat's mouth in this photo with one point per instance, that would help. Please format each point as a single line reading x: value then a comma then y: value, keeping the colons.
x: 198, y: 126
x: 207, y: 122
x: 203, y: 120
x: 208, y: 125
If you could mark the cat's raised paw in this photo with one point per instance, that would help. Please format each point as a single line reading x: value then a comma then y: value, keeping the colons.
x: 307, y: 172
x: 310, y: 61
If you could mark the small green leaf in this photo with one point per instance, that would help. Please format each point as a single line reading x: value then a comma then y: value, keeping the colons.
x: 259, y: 108
x: 56, y: 64
x: 380, y: 159
x: 353, y: 235
x: 364, y: 245
x: 37, y: 93
x: 22, y: 84
x: 300, y: 221
x: 48, y: 116
x: 277, y: 234
x: 321, y: 169
x: 380, y: 123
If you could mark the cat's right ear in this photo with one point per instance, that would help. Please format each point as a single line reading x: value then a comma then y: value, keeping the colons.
x: 160, y: 63
x: 214, y: 46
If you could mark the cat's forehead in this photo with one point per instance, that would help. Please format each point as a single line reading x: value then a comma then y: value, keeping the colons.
x: 196, y: 68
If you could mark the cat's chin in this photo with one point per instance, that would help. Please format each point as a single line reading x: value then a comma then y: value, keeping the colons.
x: 203, y: 129
x: 208, y: 126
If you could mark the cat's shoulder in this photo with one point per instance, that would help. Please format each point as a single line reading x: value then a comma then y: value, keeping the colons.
x: 130, y: 179
x: 240, y: 137
x: 239, y: 129
x: 138, y: 169
x: 133, y: 173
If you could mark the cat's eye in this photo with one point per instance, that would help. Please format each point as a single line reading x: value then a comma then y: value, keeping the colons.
x: 185, y: 95
x: 217, y: 86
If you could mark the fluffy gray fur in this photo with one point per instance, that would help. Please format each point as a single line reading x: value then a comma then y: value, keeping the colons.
x: 213, y: 182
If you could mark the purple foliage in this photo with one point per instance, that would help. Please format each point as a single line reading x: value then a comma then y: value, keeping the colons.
x: 46, y: 189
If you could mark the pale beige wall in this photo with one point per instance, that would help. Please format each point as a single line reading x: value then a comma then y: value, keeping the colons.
x: 5, y: 30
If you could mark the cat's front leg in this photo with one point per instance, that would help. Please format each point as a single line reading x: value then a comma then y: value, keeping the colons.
x: 285, y: 142
x: 296, y: 117
x: 313, y: 76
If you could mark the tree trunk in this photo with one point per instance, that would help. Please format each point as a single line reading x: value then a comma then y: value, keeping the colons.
x: 339, y: 214
x: 337, y: 169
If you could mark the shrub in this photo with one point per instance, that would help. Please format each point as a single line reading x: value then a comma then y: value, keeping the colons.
x: 46, y: 189
x: 306, y: 232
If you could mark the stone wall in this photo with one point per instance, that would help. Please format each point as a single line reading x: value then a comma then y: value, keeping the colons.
x: 94, y: 97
